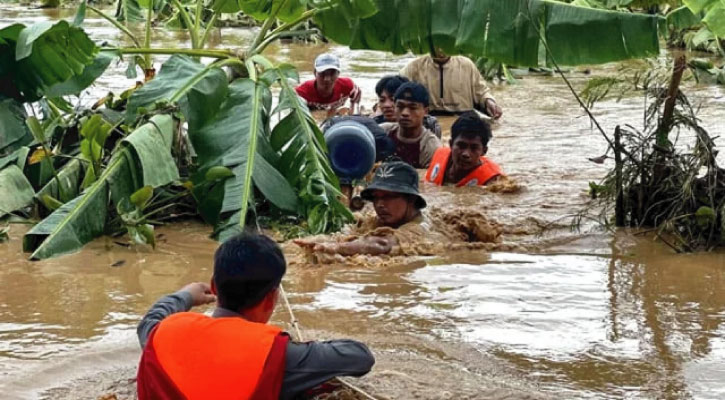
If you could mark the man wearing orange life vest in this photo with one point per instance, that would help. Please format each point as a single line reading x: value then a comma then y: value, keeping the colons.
x: 464, y: 163
x: 234, y: 354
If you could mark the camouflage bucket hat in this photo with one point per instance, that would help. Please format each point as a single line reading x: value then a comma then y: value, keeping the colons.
x: 397, y: 177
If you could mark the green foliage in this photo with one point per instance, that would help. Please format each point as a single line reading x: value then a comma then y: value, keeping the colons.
x: 506, y: 31
x: 175, y: 73
x: 714, y: 14
x: 304, y: 159
x: 35, y: 58
x: 15, y: 190
x: 70, y: 177
x: 94, y: 132
x: 131, y: 212
x: 236, y: 137
x: 13, y: 131
x: 138, y: 161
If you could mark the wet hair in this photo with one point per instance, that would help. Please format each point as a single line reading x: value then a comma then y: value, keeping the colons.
x: 470, y: 125
x: 246, y: 268
x: 390, y: 84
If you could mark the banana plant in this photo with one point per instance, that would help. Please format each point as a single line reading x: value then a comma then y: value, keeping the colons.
x: 241, y: 160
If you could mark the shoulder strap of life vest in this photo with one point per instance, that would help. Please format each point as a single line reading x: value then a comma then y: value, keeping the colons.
x: 192, y: 356
x: 484, y: 173
x: 437, y: 168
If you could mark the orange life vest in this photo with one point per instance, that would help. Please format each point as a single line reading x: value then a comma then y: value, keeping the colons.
x: 192, y: 356
x: 437, y: 170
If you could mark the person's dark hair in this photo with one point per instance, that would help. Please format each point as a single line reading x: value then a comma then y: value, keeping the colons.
x: 470, y: 125
x: 246, y: 268
x: 389, y: 84
x: 412, y: 91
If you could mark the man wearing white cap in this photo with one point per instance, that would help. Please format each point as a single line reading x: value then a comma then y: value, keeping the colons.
x: 328, y: 91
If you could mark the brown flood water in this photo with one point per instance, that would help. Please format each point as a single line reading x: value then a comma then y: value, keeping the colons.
x: 581, y: 315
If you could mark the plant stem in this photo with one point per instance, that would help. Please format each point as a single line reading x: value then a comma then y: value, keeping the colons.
x: 190, y: 52
x: 116, y: 24
x: 265, y: 27
x: 277, y: 32
x: 147, y: 40
x: 187, y: 22
x: 197, y: 18
x: 209, y: 27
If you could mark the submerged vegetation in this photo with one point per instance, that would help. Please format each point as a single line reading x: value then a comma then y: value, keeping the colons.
x: 191, y: 141
x: 666, y: 176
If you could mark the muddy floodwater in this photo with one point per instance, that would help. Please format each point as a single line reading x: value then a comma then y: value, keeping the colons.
x: 580, y: 314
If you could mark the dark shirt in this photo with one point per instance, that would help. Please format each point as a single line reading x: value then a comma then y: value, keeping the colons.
x: 408, y: 151
x: 306, y: 364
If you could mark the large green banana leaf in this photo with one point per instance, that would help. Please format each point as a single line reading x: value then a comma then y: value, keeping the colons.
x: 175, y: 74
x: 236, y: 137
x: 304, y: 159
x: 15, y: 190
x: 35, y: 58
x: 141, y: 159
x: 714, y: 11
x: 510, y: 31
x: 70, y: 178
x: 14, y: 132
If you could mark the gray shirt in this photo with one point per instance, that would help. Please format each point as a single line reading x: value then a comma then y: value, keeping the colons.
x: 306, y: 364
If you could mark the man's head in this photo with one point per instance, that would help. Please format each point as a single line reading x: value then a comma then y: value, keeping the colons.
x: 469, y: 140
x: 385, y: 89
x: 394, y: 194
x: 248, y: 269
x: 439, y: 56
x: 411, y: 105
x: 327, y: 70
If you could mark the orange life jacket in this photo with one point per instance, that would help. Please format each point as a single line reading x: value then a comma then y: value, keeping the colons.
x: 437, y: 170
x: 192, y: 356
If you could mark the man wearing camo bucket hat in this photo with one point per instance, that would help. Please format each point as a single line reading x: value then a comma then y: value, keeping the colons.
x: 396, y: 200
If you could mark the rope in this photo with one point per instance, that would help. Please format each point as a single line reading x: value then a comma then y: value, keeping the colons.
x: 296, y: 326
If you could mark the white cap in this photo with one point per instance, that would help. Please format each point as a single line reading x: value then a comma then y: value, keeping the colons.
x: 326, y: 61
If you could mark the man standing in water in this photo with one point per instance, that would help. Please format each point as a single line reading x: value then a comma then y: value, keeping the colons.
x: 385, y: 89
x: 397, y: 202
x: 235, y: 354
x: 464, y: 163
x: 414, y: 143
x: 328, y: 91
x: 454, y: 82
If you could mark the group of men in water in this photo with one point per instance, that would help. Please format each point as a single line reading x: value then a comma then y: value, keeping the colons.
x: 234, y: 353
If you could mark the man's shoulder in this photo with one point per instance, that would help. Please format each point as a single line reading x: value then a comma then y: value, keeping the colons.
x: 464, y: 62
x: 345, y: 83
x: 306, y: 87
x: 389, y: 126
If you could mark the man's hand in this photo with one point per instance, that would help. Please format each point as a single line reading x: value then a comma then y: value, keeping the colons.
x: 493, y: 109
x: 355, y: 95
x: 200, y: 293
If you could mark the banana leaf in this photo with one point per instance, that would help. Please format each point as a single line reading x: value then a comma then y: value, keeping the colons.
x: 260, y: 10
x: 45, y: 54
x: 77, y: 83
x: 175, y: 74
x: 682, y: 18
x: 235, y: 136
x: 143, y: 158
x: 14, y: 132
x: 304, y: 159
x: 15, y: 190
x: 511, y: 31
x: 70, y: 176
